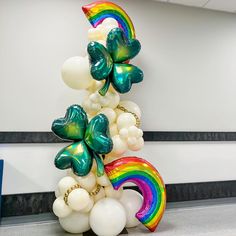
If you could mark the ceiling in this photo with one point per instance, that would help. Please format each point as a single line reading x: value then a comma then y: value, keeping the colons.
x: 219, y: 5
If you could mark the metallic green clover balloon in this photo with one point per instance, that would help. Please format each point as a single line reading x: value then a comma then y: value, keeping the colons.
x: 109, y: 63
x: 90, y: 140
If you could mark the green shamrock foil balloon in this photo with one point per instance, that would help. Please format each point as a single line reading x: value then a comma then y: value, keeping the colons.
x: 109, y: 63
x: 90, y: 140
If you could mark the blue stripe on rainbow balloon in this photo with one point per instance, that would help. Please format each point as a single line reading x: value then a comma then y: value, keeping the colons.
x: 147, y: 178
x: 98, y: 11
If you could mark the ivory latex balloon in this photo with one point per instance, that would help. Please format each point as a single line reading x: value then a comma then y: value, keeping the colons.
x: 133, y: 131
x: 90, y: 107
x: 76, y: 73
x: 57, y: 193
x: 108, y: 217
x: 89, y: 206
x: 94, y: 34
x: 102, y: 30
x: 78, y: 199
x: 114, y: 99
x: 132, y: 107
x: 65, y: 183
x: 109, y: 113
x: 124, y: 133
x: 137, y: 145
x: 101, y: 194
x: 60, y: 208
x: 110, y: 22
x: 75, y: 223
x: 87, y: 182
x: 113, y: 130
x: 111, y: 192
x: 125, y: 120
x: 131, y: 141
x: 103, y: 180
x: 132, y: 202
x: 119, y: 146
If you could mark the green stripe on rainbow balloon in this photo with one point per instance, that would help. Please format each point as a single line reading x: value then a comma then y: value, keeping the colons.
x: 147, y: 178
x: 98, y: 11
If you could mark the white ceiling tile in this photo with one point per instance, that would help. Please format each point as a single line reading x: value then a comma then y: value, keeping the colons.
x: 222, y: 5
x: 196, y: 3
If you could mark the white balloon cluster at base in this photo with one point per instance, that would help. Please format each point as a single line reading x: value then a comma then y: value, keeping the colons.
x: 84, y: 210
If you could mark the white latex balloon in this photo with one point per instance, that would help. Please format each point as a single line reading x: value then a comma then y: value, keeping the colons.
x: 87, y: 182
x: 104, y: 100
x: 132, y: 107
x: 94, y: 34
x: 132, y: 202
x: 110, y: 21
x: 109, y: 113
x: 70, y: 173
x: 96, y: 85
x: 57, y: 193
x: 78, y: 199
x: 75, y: 223
x: 105, y: 31
x: 133, y: 131
x: 60, y: 208
x: 138, y: 145
x: 101, y: 31
x: 101, y: 194
x: 119, y: 146
x: 114, y: 99
x: 113, y: 130
x: 103, y: 180
x: 90, y: 107
x: 111, y: 192
x: 125, y: 120
x: 94, y: 97
x: 65, y: 183
x: 109, y: 159
x: 108, y: 217
x: 89, y: 206
x: 131, y: 141
x: 76, y: 73
x: 124, y: 134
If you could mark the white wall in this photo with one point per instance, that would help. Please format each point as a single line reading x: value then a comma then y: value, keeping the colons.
x: 188, y: 56
x: 30, y: 168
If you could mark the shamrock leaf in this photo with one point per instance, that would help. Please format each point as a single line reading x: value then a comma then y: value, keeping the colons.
x: 73, y: 125
x: 109, y: 63
x: 121, y: 48
x: 76, y: 156
x: 124, y: 75
x: 91, y: 140
x: 97, y: 135
x: 100, y: 60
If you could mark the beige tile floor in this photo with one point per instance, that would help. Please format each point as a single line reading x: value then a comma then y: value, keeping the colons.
x: 200, y: 218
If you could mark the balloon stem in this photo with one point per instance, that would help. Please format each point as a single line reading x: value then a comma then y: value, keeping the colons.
x: 105, y: 87
x: 100, y: 165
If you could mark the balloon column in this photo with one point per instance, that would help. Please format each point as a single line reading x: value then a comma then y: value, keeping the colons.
x: 101, y: 131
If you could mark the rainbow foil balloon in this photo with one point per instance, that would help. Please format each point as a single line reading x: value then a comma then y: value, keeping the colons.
x: 98, y: 11
x: 147, y: 178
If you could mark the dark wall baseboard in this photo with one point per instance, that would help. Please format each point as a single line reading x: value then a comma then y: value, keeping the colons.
x: 35, y: 203
x: 149, y: 136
